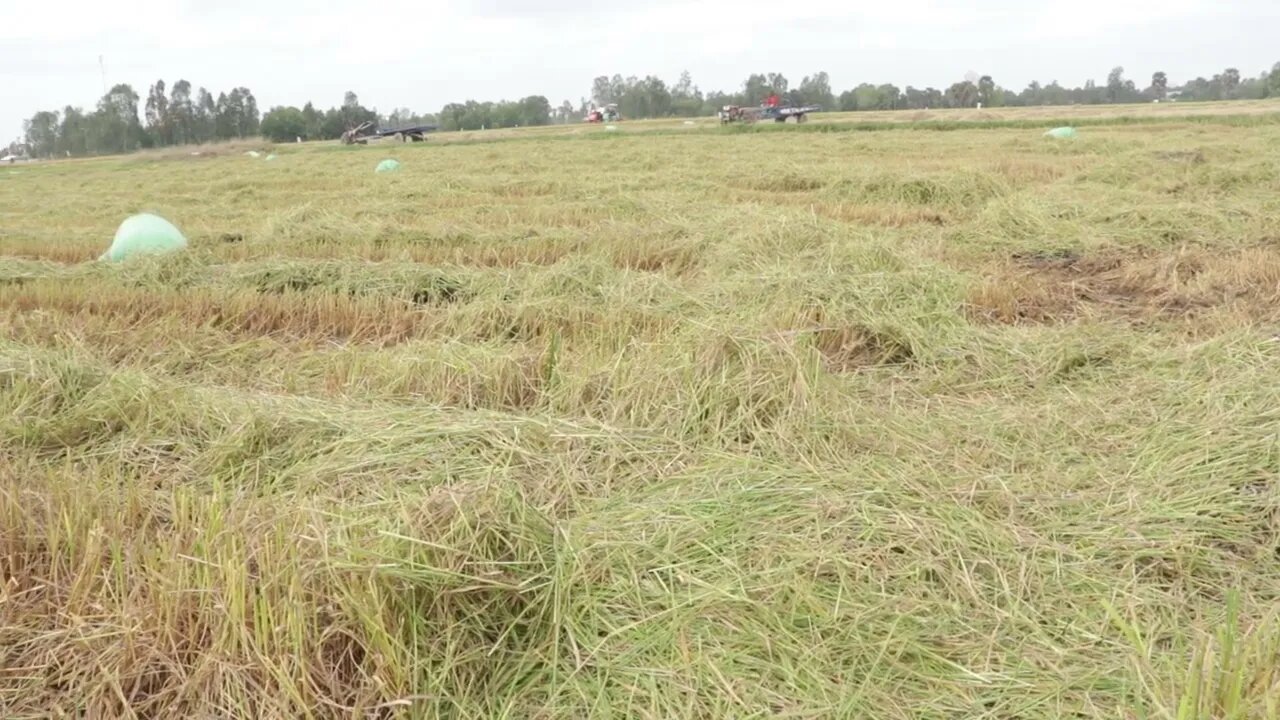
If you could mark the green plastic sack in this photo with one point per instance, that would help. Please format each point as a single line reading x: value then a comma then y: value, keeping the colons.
x: 144, y: 234
x: 387, y: 166
x: 1061, y: 133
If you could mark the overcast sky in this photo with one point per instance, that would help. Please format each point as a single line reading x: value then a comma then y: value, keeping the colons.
x: 421, y: 55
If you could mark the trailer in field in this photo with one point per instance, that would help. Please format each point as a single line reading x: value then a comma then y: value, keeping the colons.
x: 734, y: 113
x: 363, y: 133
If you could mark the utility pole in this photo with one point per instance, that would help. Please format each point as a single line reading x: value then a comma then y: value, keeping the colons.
x: 103, y: 67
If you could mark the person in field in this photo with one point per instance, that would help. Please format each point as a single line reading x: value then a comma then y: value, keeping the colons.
x: 772, y: 100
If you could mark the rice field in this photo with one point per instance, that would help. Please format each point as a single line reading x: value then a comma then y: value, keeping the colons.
x: 881, y: 417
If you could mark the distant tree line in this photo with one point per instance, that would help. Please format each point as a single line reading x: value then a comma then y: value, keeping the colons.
x: 650, y: 96
x: 284, y: 124
x: 176, y: 118
x: 179, y: 118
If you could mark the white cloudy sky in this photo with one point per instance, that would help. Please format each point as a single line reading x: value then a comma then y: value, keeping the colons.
x: 423, y: 54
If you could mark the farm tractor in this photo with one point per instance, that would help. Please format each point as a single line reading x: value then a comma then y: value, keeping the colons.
x: 364, y: 132
x: 748, y: 115
x: 608, y: 113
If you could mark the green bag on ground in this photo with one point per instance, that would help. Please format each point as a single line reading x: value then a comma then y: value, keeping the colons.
x: 1061, y: 133
x: 387, y: 166
x: 144, y: 234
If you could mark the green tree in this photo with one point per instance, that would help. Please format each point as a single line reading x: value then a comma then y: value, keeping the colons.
x: 116, y: 125
x: 314, y: 120
x: 861, y: 97
x: 452, y: 116
x: 1230, y: 83
x: 249, y: 115
x: 684, y: 86
x: 1090, y: 94
x: 1054, y: 94
x: 283, y: 124
x: 535, y: 110
x: 986, y: 91
x: 1198, y: 89
x: 73, y: 133
x: 473, y: 115
x: 914, y: 99
x: 602, y: 91
x: 629, y: 98
x: 206, y: 114
x: 334, y: 124
x: 504, y: 114
x: 1273, y: 81
x: 963, y: 94
x: 405, y: 117
x: 657, y: 97
x: 686, y: 98
x: 1159, y: 89
x: 1033, y: 94
x: 645, y: 98
x: 755, y: 90
x: 41, y: 134
x: 182, y: 115
x: 778, y: 83
x: 236, y: 115
x: 816, y: 90
x: 398, y: 118
x: 224, y: 124
x: 1252, y: 88
x: 480, y: 115
x: 353, y: 113
x: 1118, y: 89
x: 564, y: 113
x: 890, y: 96
x: 157, y: 112
x: 869, y: 97
x: 351, y: 107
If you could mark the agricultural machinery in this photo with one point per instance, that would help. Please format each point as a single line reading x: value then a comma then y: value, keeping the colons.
x: 364, y: 132
x: 608, y: 113
x: 734, y: 113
